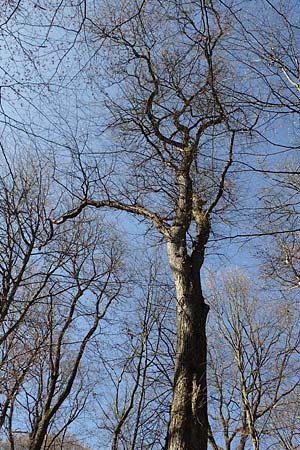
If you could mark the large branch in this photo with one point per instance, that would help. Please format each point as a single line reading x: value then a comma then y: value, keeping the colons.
x: 223, y: 177
x: 136, y: 209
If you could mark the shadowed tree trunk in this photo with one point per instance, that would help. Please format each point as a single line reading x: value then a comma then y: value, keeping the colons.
x: 188, y: 426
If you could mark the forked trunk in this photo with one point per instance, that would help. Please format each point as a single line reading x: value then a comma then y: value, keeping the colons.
x: 188, y: 427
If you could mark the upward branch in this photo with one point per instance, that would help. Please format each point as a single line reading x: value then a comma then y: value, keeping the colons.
x: 223, y: 177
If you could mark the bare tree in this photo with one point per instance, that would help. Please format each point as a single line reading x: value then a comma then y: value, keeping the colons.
x: 140, y: 369
x: 255, y: 369
x: 68, y: 442
x: 285, y: 426
x: 169, y: 98
x: 53, y: 299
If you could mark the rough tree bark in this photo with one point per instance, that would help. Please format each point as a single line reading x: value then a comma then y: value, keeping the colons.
x: 188, y: 427
x: 188, y: 420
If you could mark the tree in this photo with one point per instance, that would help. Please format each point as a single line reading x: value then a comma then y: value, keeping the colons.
x: 175, y: 119
x: 281, y: 259
x: 68, y: 442
x: 139, y: 371
x: 53, y: 299
x: 254, y: 370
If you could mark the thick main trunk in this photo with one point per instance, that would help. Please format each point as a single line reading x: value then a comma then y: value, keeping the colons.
x: 188, y: 427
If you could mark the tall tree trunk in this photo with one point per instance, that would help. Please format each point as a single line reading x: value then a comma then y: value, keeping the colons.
x: 188, y: 427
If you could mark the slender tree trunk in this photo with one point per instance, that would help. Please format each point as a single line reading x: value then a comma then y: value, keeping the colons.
x: 188, y: 427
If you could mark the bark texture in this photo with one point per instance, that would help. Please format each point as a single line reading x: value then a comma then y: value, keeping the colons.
x: 188, y: 427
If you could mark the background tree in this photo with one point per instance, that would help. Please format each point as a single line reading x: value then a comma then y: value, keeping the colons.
x: 140, y: 368
x: 254, y: 373
x: 52, y: 301
x: 68, y: 442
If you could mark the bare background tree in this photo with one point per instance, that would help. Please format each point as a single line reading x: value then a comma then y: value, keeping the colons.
x: 67, y: 442
x: 140, y: 370
x: 52, y: 302
x: 255, y: 371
